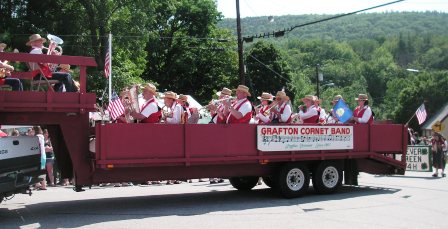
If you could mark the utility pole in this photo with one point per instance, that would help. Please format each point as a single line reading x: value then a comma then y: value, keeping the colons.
x: 240, y: 44
x: 317, y: 81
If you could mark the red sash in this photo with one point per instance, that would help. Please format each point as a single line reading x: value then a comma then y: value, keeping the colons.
x: 281, y: 112
x: 313, y: 119
x: 218, y: 118
x: 245, y: 119
x: 358, y: 113
x: 154, y: 117
x: 262, y: 110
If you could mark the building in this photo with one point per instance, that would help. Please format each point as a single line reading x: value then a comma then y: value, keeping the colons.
x: 441, y: 116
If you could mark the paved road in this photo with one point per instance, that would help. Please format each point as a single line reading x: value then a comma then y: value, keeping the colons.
x: 411, y: 201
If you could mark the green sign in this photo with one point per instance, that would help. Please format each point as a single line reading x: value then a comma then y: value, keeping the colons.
x: 418, y: 158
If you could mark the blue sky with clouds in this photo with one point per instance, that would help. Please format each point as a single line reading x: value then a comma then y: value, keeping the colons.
x: 254, y: 8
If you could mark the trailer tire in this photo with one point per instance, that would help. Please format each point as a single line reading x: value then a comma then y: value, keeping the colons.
x: 243, y: 183
x: 293, y: 180
x: 327, y: 178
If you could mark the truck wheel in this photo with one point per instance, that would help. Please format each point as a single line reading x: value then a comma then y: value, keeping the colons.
x: 327, y: 178
x: 293, y: 180
x: 243, y: 183
x: 270, y: 182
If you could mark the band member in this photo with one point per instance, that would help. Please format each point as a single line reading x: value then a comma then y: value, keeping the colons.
x: 5, y: 76
x: 310, y: 115
x: 320, y: 110
x: 241, y: 110
x: 37, y: 43
x: 363, y: 112
x: 175, y: 110
x: 218, y: 109
x: 190, y: 114
x: 282, y: 111
x: 150, y: 112
x: 332, y: 118
x: 126, y: 116
x: 263, y: 114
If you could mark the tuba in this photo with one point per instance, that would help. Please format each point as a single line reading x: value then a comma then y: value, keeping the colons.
x: 130, y: 102
x: 54, y: 48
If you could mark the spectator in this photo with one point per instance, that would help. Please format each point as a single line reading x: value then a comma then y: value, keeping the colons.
x: 49, y: 157
x: 15, y: 133
x: 37, y: 131
x: 438, y: 157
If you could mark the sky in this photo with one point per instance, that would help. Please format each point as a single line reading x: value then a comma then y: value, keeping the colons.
x: 255, y: 8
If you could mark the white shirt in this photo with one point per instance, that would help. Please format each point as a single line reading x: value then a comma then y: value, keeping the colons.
x: 177, y: 114
x: 150, y: 109
x: 35, y: 50
x: 244, y: 109
x: 366, y: 116
x: 323, y: 114
x: 310, y: 112
x: 286, y: 112
x: 42, y: 150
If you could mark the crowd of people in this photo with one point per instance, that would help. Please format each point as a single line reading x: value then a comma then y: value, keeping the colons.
x: 239, y: 109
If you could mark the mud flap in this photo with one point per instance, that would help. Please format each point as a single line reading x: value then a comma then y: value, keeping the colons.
x: 351, y: 172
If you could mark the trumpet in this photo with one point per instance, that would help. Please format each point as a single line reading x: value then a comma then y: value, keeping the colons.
x: 217, y: 101
x: 268, y: 111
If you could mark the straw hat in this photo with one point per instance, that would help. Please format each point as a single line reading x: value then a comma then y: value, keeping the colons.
x: 3, y: 45
x: 280, y: 94
x: 362, y: 97
x: 150, y: 87
x: 169, y: 95
x: 265, y: 96
x: 224, y: 91
x: 65, y: 67
x: 183, y: 98
x: 35, y: 37
x: 317, y: 100
x: 243, y: 89
x: 308, y: 97
x: 336, y: 98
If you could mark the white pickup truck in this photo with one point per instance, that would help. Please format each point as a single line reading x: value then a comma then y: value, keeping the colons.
x: 20, y: 161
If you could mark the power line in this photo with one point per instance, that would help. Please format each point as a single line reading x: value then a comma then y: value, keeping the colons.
x: 272, y: 70
x: 281, y: 33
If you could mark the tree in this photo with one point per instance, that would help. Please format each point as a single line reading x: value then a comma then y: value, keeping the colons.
x: 184, y: 52
x: 267, y: 69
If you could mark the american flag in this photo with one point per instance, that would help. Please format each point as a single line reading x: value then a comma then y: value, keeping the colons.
x: 115, y: 108
x: 107, y: 62
x: 421, y: 114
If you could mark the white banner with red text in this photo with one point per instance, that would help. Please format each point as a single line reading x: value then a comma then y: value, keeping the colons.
x: 292, y: 138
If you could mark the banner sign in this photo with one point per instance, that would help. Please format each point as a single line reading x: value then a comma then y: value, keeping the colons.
x: 418, y: 158
x: 291, y: 138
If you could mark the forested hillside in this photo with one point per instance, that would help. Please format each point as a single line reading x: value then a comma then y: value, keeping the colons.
x: 359, y: 26
x: 366, y: 53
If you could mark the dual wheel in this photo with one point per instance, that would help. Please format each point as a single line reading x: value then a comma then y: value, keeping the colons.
x: 293, y: 179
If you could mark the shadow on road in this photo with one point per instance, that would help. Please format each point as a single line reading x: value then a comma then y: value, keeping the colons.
x: 88, y: 212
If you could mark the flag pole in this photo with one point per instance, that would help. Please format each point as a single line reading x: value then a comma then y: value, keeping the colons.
x: 410, y: 119
x: 110, y: 67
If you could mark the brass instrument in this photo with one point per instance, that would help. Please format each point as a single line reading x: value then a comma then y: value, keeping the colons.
x: 166, y: 113
x: 268, y: 111
x: 218, y: 101
x: 54, y: 48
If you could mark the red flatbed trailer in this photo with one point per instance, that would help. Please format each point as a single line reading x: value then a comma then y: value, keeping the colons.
x: 142, y: 152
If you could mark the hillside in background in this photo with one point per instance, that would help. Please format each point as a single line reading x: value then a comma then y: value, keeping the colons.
x: 360, y: 26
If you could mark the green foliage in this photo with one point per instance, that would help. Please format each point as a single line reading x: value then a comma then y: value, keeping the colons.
x: 267, y: 69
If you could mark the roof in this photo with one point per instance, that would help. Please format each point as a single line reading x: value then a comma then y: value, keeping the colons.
x: 441, y: 115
